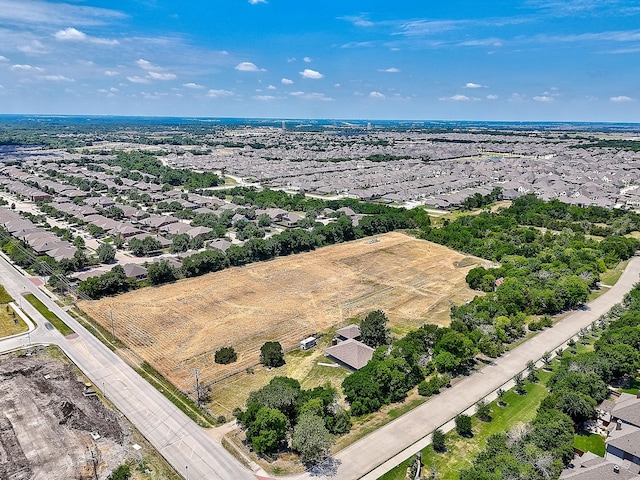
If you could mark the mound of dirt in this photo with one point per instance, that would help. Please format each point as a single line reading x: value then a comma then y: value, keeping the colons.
x: 48, y: 428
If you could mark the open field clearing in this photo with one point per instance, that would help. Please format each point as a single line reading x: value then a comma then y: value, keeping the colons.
x: 178, y: 327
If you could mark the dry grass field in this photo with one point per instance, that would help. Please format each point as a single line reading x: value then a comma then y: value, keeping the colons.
x: 178, y: 327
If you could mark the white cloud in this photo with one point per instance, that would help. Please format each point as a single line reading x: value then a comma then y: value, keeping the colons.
x: 357, y: 44
x: 35, y: 47
x: 162, y: 76
x: 58, y: 78
x: 111, y: 73
x: 213, y: 93
x: 19, y: 12
x: 255, y: 2
x: 154, y: 95
x: 543, y: 98
x: 264, y: 98
x: 337, y: 85
x: 136, y: 79
x: 70, y: 34
x: 621, y: 99
x: 195, y: 86
x: 271, y: 87
x: 286, y: 81
x: 313, y: 74
x: 482, y: 42
x: 389, y: 70
x: 307, y: 59
x: 517, y: 98
x: 492, y: 97
x: 26, y: 68
x: 146, y: 65
x: 456, y: 98
x: 3, y: 58
x: 312, y: 96
x: 376, y: 95
x: 74, y: 35
x: 358, y: 21
x: 248, y: 67
x: 474, y: 85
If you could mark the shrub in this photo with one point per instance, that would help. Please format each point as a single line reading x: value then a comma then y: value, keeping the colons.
x: 123, y: 472
x: 438, y: 441
x: 463, y: 425
x: 225, y: 356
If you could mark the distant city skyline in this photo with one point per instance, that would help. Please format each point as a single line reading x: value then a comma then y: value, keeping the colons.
x: 525, y: 60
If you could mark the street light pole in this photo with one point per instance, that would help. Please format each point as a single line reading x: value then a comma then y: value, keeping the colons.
x: 186, y: 469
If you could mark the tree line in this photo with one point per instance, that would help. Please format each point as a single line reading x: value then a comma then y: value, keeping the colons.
x: 579, y: 383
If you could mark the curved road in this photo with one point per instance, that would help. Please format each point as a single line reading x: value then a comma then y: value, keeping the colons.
x: 184, y: 444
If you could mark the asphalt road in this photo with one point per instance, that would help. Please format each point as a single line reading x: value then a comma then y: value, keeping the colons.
x: 182, y: 442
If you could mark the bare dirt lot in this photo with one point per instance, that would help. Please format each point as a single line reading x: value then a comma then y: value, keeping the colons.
x: 46, y: 423
x: 178, y: 327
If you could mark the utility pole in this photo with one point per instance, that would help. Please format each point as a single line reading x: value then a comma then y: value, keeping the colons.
x: 113, y: 332
x: 197, y: 373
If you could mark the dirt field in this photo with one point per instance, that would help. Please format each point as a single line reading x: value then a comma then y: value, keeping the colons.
x: 46, y: 423
x: 178, y: 327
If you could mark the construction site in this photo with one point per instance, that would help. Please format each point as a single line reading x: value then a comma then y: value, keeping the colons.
x: 53, y: 425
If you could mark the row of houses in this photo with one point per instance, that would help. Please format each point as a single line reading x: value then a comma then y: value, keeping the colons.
x: 550, y: 169
x: 42, y: 241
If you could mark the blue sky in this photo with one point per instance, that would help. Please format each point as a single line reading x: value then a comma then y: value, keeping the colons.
x: 512, y: 60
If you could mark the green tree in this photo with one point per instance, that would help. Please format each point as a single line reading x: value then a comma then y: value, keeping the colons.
x: 311, y: 438
x: 438, y: 439
x: 225, y: 355
x: 577, y: 405
x: 268, y: 430
x: 180, y: 243
x: 446, y: 362
x: 136, y: 246
x: 161, y: 272
x: 463, y: 425
x: 271, y: 354
x: 373, y: 329
x: 106, y: 253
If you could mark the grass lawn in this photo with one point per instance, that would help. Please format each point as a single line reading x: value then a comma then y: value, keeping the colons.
x: 7, y: 325
x: 460, y: 450
x: 632, y: 388
x: 62, y: 327
x: 611, y: 276
x: 4, y: 296
x: 301, y: 365
x: 590, y: 443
